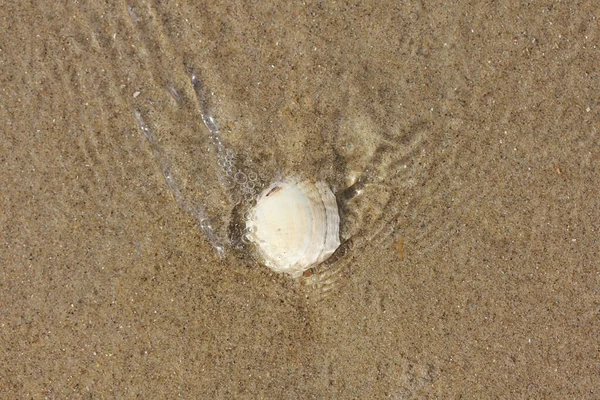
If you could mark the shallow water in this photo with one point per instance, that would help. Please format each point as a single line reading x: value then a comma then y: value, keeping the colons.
x: 471, y: 267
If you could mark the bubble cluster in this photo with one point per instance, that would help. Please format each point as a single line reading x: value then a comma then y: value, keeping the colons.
x: 226, y: 160
x: 250, y: 187
x: 241, y: 186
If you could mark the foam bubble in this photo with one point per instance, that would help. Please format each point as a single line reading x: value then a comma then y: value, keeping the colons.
x: 246, y: 238
x: 227, y: 182
x: 234, y: 198
x: 240, y: 177
x: 248, y: 196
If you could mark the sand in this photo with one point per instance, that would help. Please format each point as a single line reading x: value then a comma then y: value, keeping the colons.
x: 475, y: 271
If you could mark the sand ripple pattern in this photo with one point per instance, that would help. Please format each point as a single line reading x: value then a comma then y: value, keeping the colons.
x: 387, y: 177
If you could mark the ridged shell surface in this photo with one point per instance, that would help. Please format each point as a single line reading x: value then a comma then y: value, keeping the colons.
x: 294, y: 225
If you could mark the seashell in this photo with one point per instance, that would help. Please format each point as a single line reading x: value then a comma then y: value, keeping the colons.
x: 294, y: 225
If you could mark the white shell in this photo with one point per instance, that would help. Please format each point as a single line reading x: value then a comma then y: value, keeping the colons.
x: 295, y: 225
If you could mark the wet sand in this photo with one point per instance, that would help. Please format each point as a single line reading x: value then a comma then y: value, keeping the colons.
x: 478, y: 275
